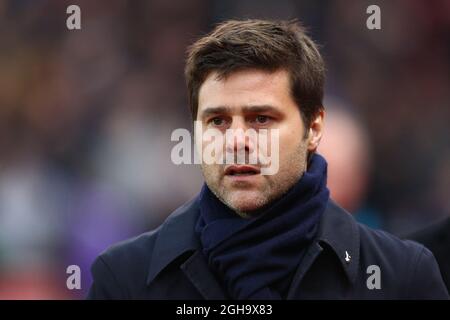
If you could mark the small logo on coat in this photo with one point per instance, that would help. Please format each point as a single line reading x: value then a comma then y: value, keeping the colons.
x: 347, y: 257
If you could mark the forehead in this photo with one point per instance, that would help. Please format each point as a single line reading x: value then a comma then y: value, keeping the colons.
x: 245, y: 87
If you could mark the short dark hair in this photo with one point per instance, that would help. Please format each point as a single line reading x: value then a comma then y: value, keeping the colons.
x: 268, y: 45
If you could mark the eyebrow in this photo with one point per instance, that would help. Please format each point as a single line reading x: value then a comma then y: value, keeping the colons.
x: 251, y: 109
x: 214, y: 110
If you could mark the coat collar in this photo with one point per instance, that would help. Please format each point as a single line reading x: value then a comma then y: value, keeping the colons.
x: 340, y: 231
x: 176, y: 236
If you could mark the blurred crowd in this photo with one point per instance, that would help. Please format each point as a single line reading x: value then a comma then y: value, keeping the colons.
x: 86, y: 117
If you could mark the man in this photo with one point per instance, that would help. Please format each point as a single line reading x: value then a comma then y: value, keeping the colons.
x: 250, y: 235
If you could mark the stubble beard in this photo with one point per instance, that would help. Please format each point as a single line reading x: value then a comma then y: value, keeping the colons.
x: 248, y: 204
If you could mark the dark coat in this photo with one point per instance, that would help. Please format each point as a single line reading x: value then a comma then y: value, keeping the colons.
x: 437, y: 238
x: 167, y: 263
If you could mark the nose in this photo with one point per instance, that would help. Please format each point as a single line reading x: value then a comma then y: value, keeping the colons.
x: 239, y: 138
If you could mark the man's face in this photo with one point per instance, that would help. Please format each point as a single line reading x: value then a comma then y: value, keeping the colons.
x: 253, y: 99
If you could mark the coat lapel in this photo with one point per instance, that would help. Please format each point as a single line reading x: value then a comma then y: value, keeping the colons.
x: 338, y: 234
x: 198, y: 272
x: 177, y: 237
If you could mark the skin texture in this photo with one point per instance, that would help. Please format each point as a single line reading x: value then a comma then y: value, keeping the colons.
x: 237, y: 94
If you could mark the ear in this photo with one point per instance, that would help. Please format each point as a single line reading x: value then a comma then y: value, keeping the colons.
x: 316, y: 131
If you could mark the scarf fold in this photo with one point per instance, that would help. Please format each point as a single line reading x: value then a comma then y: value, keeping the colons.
x: 256, y: 258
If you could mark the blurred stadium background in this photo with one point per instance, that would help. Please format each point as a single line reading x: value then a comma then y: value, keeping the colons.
x: 86, y: 118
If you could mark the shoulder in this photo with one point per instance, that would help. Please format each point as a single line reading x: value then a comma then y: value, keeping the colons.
x: 408, y: 264
x: 122, y: 267
x: 408, y: 270
x: 342, y: 230
x: 380, y: 243
x: 131, y: 252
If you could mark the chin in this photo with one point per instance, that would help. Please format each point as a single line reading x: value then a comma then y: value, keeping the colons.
x: 246, y: 202
x: 246, y: 208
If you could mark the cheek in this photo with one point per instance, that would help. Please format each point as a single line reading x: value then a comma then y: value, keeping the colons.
x: 212, y: 169
x: 293, y: 151
x: 290, y: 142
x: 292, y: 131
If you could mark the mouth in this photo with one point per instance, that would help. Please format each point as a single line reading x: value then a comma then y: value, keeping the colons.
x: 236, y: 171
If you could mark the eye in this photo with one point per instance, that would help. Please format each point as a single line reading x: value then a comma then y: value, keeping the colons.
x: 217, y: 121
x: 261, y: 119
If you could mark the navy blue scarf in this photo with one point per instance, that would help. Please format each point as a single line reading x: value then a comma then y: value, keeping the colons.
x: 256, y: 258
